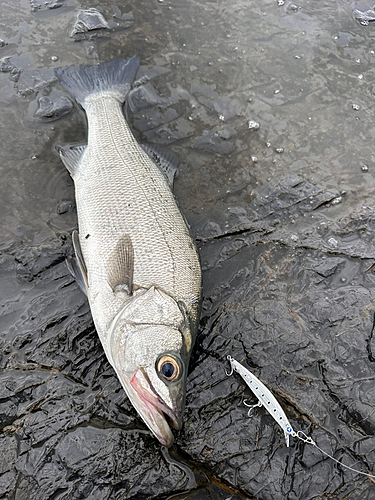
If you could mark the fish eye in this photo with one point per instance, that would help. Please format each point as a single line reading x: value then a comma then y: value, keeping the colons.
x: 168, y: 368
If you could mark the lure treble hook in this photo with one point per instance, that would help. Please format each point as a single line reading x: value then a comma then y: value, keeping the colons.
x: 228, y: 374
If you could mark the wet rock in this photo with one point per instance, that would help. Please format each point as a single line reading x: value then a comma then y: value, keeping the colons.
x: 65, y: 207
x: 88, y: 20
x: 33, y: 82
x: 145, y: 74
x: 272, y: 309
x: 226, y: 107
x: 71, y: 408
x: 155, y: 118
x: 45, y: 4
x: 178, y: 129
x: 364, y: 17
x: 127, y: 18
x: 52, y: 109
x: 226, y: 133
x: 210, y: 141
x: 144, y: 97
x: 290, y: 195
x: 6, y: 66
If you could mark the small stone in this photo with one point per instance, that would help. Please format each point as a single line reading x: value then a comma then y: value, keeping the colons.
x: 279, y: 150
x: 337, y: 200
x: 253, y: 125
x: 292, y: 7
x: 333, y: 242
x: 53, y: 109
x: 65, y: 207
x: 356, y: 107
x: 88, y: 20
x: 364, y: 168
x: 364, y: 17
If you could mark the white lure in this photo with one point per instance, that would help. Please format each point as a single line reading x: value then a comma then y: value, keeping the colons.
x: 264, y: 396
x: 268, y: 400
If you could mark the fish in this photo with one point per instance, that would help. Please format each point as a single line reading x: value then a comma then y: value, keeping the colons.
x: 265, y: 398
x: 134, y: 255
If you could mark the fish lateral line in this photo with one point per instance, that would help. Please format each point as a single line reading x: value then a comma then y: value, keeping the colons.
x: 268, y: 400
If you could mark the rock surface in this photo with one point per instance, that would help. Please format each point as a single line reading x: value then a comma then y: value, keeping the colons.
x: 284, y: 219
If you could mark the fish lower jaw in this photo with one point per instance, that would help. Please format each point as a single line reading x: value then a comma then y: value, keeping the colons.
x: 156, y: 414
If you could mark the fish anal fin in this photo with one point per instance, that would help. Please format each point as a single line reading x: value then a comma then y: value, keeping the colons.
x: 71, y: 156
x: 163, y: 158
x: 120, y: 266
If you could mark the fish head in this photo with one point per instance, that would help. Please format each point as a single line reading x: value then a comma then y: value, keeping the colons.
x: 151, y: 363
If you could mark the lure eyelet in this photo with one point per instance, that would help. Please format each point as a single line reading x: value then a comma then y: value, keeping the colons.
x: 168, y: 368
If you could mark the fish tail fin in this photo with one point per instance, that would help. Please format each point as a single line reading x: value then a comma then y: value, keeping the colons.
x: 115, y: 77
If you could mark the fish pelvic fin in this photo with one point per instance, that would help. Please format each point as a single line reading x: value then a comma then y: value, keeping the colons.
x: 115, y: 77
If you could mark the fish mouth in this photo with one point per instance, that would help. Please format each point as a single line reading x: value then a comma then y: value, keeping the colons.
x: 155, y: 413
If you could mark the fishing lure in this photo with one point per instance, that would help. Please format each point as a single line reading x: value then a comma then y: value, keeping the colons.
x: 270, y: 403
x: 265, y: 398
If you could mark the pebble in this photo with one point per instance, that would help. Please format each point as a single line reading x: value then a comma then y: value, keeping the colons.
x: 253, y: 125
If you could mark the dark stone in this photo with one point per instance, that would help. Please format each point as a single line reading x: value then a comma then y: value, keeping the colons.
x: 6, y: 66
x: 65, y: 207
x: 53, y: 109
x: 45, y: 4
x: 88, y: 20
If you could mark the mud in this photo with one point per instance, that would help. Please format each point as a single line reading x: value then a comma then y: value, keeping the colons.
x: 284, y: 219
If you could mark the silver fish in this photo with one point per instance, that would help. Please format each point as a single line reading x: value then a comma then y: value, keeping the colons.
x: 134, y: 256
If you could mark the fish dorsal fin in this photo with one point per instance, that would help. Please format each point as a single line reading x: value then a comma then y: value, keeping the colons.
x: 71, y: 156
x: 76, y: 265
x: 120, y: 266
x: 164, y: 158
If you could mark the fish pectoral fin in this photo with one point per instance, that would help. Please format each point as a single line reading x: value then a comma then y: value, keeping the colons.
x: 120, y: 266
x: 80, y: 276
x: 165, y: 159
x: 71, y: 156
x: 75, y: 271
